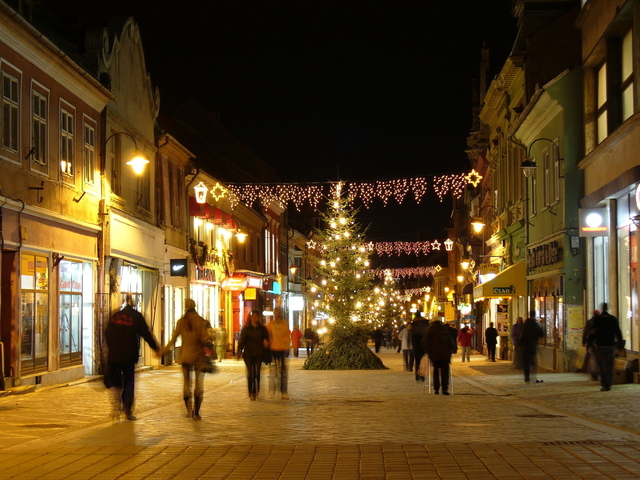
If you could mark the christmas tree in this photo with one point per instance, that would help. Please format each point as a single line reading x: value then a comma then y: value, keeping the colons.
x: 345, y: 291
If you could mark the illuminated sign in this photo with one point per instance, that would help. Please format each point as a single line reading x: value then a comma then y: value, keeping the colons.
x: 179, y: 267
x: 593, y: 222
x: 254, y: 282
x: 234, y: 284
x: 510, y: 290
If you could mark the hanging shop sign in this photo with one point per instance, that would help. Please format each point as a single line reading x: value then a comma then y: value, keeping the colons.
x: 234, y: 284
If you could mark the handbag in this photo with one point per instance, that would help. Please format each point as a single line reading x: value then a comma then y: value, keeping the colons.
x: 205, y: 361
x: 267, y: 356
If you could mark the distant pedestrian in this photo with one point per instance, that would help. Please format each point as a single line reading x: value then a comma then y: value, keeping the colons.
x: 454, y: 335
x: 591, y: 360
x: 279, y: 343
x: 515, y: 340
x: 606, y: 337
x: 122, y: 336
x: 221, y: 341
x: 491, y: 339
x: 196, y: 335
x: 254, y: 339
x: 419, y: 325
x: 407, y: 349
x: 438, y: 344
x: 311, y: 340
x: 528, y: 342
x: 378, y: 336
x: 465, y: 338
x: 386, y: 333
x: 296, y: 335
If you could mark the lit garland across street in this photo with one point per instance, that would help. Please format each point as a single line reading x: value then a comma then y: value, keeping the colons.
x: 365, y: 192
x: 409, y: 272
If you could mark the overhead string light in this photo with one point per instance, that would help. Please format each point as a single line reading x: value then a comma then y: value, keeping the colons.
x: 406, y: 248
x: 365, y: 192
x: 409, y: 272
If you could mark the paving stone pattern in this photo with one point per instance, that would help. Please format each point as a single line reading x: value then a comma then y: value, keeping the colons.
x: 336, y: 425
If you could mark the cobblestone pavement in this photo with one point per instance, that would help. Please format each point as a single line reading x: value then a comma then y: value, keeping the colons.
x: 337, y: 425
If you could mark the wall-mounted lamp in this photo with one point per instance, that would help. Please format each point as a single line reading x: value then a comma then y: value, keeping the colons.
x: 293, y: 269
x: 464, y: 264
x: 478, y: 224
x: 528, y: 165
x: 138, y: 160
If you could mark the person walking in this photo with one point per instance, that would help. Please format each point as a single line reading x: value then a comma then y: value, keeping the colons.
x: 591, y: 360
x: 279, y: 343
x: 310, y: 339
x: 196, y: 334
x: 438, y: 344
x: 253, y: 341
x: 454, y: 336
x: 491, y: 339
x: 221, y: 341
x: 419, y: 325
x: 123, y: 330
x: 465, y: 338
x: 407, y: 349
x: 528, y: 341
x: 296, y: 335
x: 606, y: 336
x: 377, y: 339
x: 515, y: 340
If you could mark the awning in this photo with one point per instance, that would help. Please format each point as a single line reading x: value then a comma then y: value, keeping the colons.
x: 511, y: 282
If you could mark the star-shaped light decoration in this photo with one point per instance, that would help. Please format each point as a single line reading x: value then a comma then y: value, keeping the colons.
x: 218, y: 191
x: 312, y: 244
x: 473, y: 177
x: 435, y: 245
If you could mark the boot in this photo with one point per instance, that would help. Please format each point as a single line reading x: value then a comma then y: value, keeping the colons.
x: 196, y: 410
x: 188, y: 404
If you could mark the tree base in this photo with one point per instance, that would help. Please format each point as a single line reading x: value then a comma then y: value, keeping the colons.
x: 337, y: 355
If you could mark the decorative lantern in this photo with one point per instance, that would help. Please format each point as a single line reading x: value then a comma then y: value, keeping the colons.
x: 201, y: 192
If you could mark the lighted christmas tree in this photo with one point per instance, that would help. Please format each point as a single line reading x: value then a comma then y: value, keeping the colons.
x: 345, y: 292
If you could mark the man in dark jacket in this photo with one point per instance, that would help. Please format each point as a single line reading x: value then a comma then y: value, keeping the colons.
x: 528, y: 343
x: 438, y: 344
x: 123, y: 330
x: 418, y: 327
x: 491, y: 339
x: 606, y: 336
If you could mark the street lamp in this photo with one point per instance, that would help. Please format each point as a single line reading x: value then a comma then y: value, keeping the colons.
x: 138, y: 160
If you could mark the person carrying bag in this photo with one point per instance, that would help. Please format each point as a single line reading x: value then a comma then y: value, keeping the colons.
x: 197, y: 338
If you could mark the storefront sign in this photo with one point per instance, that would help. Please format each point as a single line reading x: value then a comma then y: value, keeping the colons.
x: 593, y: 222
x: 543, y: 255
x: 254, y: 282
x: 234, y: 284
x: 510, y: 290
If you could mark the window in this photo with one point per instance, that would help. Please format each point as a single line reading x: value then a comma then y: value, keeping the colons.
x: 39, y: 129
x: 534, y: 196
x: 89, y: 153
x: 34, y: 305
x: 10, y: 110
x: 115, y: 157
x: 71, y: 306
x: 626, y: 88
x: 546, y: 165
x: 66, y: 143
x: 601, y: 103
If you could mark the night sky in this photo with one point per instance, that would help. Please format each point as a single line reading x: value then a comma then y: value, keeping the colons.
x: 332, y: 90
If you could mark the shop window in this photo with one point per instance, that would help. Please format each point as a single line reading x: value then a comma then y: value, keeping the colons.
x: 70, y: 328
x: 34, y: 307
x: 626, y: 87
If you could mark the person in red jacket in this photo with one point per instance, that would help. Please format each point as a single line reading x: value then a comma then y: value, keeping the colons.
x: 465, y: 336
x: 296, y: 335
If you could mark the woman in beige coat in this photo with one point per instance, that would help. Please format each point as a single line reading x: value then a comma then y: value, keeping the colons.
x: 196, y: 334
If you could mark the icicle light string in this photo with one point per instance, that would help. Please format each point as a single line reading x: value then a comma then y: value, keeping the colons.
x: 366, y: 192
